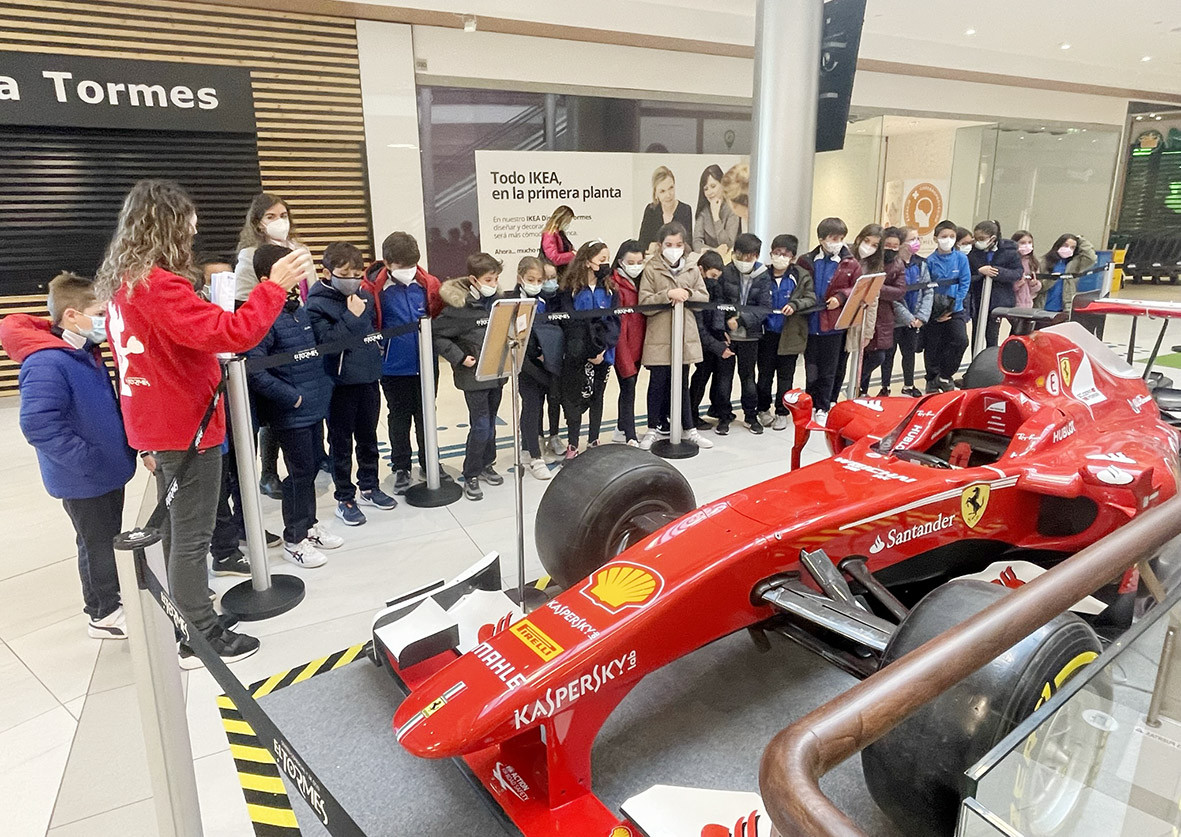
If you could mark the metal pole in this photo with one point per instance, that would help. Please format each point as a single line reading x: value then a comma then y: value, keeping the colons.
x: 786, y: 92
x: 264, y: 596
x: 426, y: 148
x: 982, y: 317
x: 1152, y: 719
x: 152, y: 642
x: 434, y: 492
x: 551, y: 121
x: 853, y: 387
x: 676, y: 358
x: 518, y: 474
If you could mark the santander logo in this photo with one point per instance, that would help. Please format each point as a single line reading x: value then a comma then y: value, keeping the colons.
x: 878, y: 545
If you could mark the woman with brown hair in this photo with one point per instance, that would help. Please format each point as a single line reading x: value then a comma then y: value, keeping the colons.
x: 716, y: 226
x: 165, y: 339
x: 664, y: 209
x: 268, y: 221
x: 555, y: 245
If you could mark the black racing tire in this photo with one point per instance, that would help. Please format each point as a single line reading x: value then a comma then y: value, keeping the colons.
x: 984, y: 371
x: 586, y: 516
x: 915, y: 773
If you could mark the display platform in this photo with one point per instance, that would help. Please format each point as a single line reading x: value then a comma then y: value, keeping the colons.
x: 702, y: 721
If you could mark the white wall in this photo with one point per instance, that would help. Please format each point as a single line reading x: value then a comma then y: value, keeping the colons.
x: 391, y: 130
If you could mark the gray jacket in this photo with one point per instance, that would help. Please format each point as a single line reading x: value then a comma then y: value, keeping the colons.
x: 708, y: 234
x: 922, y: 309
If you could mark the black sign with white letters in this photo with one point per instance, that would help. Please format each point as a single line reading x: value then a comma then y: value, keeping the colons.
x: 66, y: 90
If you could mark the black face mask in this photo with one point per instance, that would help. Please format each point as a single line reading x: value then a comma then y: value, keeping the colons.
x: 889, y: 255
x: 603, y: 271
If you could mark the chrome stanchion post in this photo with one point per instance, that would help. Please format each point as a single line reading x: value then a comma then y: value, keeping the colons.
x: 434, y: 492
x: 152, y: 642
x: 527, y: 603
x: 264, y: 595
x: 982, y: 317
x: 675, y: 447
x: 853, y: 386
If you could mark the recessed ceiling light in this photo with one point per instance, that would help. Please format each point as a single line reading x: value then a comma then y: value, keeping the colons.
x: 1138, y: 118
x: 1152, y: 116
x: 1146, y: 58
x: 1158, y: 119
x: 1063, y: 46
x: 969, y: 31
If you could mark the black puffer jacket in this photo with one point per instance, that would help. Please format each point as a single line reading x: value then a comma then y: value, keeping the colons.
x: 459, y: 330
x: 280, y: 387
x: 1007, y: 261
x: 332, y: 320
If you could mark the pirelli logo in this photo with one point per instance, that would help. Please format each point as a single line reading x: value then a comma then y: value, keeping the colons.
x: 536, y: 639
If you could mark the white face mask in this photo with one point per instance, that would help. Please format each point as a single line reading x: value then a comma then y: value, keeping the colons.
x: 405, y: 275
x: 278, y: 229
x: 833, y: 247
x: 1025, y: 248
x: 673, y: 254
x: 866, y: 250
x: 487, y: 290
x: 982, y: 245
x: 945, y: 244
x: 530, y: 289
x: 965, y: 248
x: 781, y: 262
x: 632, y: 270
x: 744, y: 267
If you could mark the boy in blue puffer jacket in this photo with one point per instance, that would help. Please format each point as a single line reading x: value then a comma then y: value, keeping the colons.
x: 70, y: 414
x: 340, y: 309
x: 292, y: 400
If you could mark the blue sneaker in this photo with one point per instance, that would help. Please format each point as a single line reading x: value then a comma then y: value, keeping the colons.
x: 348, y: 512
x: 376, y: 498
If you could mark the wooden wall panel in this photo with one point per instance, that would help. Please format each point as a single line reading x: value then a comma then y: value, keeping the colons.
x: 304, y: 77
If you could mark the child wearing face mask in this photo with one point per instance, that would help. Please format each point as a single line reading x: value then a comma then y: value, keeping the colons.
x: 340, y: 308
x: 964, y: 240
x: 867, y: 247
x: 629, y: 265
x: 70, y: 415
x: 745, y: 281
x: 1029, y: 285
x: 945, y: 336
x: 716, y: 369
x: 912, y: 312
x: 996, y: 257
x: 834, y: 272
x: 293, y: 399
x: 787, y: 329
x: 553, y: 397
x: 1068, y: 257
x: 405, y: 293
x: 543, y: 362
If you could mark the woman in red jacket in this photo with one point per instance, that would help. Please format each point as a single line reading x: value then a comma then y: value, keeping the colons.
x: 555, y: 246
x: 629, y: 264
x: 165, y: 339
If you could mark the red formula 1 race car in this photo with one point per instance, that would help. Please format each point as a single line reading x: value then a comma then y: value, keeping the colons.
x: 860, y: 557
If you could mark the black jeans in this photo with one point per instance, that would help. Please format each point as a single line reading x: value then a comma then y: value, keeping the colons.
x: 945, y: 345
x: 715, y: 373
x: 906, y: 341
x: 532, y: 405
x: 268, y: 452
x: 229, y: 527
x: 747, y: 360
x: 598, y: 383
x: 403, y: 397
x: 872, y: 359
x: 97, y: 520
x: 300, y: 447
x: 482, y: 405
x: 188, y: 529
x: 776, y: 372
x: 554, y: 405
x: 352, y: 415
x: 660, y: 398
x: 626, y: 423
x: 822, y: 357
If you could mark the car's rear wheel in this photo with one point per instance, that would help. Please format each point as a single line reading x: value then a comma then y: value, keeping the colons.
x: 601, y: 503
x: 983, y: 371
x: 915, y: 773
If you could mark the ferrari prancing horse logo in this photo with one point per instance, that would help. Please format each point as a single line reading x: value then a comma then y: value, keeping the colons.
x: 1064, y: 367
x: 973, y: 502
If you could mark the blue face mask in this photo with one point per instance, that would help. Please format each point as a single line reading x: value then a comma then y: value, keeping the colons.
x: 549, y: 286
x: 97, y: 333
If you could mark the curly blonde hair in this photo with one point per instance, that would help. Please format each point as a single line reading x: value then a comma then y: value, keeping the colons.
x: 155, y: 229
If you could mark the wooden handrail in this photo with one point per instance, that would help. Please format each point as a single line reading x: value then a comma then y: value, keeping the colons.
x: 799, y: 755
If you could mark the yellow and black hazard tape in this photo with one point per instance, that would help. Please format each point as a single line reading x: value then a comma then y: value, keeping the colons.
x: 267, y: 801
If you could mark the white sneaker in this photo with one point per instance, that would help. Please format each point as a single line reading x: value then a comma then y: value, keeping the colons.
x: 556, y: 445
x: 820, y: 417
x: 780, y: 423
x: 652, y: 437
x: 540, y: 470
x: 320, y: 537
x: 632, y: 443
x: 766, y: 418
x: 697, y: 439
x: 304, y: 554
x: 618, y: 437
x: 111, y: 626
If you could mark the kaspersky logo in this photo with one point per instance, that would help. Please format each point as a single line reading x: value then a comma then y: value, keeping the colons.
x: 897, y: 537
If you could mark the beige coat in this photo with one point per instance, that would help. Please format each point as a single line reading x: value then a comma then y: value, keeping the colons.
x: 655, y: 283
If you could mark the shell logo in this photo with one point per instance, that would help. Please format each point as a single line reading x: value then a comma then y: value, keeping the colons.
x: 622, y: 585
x: 621, y: 831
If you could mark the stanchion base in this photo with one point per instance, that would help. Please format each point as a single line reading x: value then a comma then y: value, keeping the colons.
x: 666, y: 449
x: 423, y: 497
x: 250, y: 605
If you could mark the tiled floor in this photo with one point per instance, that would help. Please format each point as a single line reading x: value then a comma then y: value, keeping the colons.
x: 71, y: 751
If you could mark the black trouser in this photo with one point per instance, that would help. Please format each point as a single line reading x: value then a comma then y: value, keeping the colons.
x: 871, y: 359
x: 403, y: 398
x: 268, y: 452
x: 598, y: 383
x: 229, y: 527
x: 838, y: 381
x: 553, y: 400
x: 97, y: 520
x: 480, y: 453
x: 746, y: 357
x: 300, y: 447
x: 352, y: 415
x: 822, y: 357
x: 776, y: 372
x: 188, y: 529
x: 626, y: 423
x: 532, y: 400
x: 718, y: 373
x: 660, y: 398
x: 945, y: 345
x: 906, y: 340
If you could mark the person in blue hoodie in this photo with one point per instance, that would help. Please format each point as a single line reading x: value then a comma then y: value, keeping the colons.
x: 339, y: 309
x: 745, y: 281
x: 69, y: 413
x: 293, y: 400
x: 945, y: 336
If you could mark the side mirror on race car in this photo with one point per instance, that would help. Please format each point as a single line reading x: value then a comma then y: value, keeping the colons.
x: 799, y: 406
